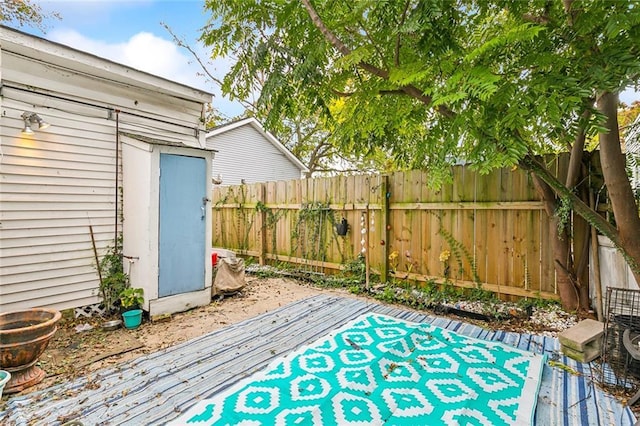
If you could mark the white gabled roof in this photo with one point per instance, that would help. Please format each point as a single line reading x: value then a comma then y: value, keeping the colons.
x: 251, y: 121
x: 47, y: 51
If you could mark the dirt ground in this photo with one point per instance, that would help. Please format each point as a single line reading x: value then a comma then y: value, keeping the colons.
x: 71, y: 353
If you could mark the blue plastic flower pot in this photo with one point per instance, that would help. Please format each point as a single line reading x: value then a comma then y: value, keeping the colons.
x: 133, y: 318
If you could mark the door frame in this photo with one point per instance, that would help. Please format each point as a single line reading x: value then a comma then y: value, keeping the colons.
x: 141, y: 196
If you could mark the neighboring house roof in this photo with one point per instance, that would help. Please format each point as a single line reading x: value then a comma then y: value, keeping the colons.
x: 251, y: 121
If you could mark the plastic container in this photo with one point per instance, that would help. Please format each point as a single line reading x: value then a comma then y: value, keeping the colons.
x: 132, y: 318
x: 214, y: 259
x: 5, y: 376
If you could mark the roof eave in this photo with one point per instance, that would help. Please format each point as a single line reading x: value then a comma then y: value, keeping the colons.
x: 38, y: 48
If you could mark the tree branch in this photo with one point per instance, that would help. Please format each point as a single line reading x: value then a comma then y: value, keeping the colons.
x: 572, y: 14
x: 373, y: 43
x: 548, y: 196
x: 178, y: 41
x: 625, y: 210
x: 536, y: 19
x: 342, y: 94
x: 575, y: 159
x: 531, y: 164
x: 398, y: 43
x: 372, y: 69
x: 317, y: 22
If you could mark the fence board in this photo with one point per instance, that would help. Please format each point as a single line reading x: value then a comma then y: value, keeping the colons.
x: 428, y: 256
x: 413, y: 187
x: 493, y: 225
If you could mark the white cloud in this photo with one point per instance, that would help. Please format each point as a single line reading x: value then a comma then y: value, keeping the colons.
x: 155, y: 55
x: 143, y: 51
x: 629, y: 96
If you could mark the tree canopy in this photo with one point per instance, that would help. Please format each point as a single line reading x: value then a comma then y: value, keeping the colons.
x: 432, y: 82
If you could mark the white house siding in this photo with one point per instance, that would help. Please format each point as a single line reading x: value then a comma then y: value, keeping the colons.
x: 53, y: 187
x: 243, y: 153
x: 57, y: 182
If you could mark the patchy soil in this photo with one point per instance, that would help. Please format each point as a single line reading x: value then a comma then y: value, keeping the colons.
x: 73, y: 353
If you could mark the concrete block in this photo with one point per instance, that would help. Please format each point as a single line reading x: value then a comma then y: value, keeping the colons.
x: 582, y: 334
x: 583, y: 341
x: 588, y: 355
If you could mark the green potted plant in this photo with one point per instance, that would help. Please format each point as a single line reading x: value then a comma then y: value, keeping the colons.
x: 131, y: 300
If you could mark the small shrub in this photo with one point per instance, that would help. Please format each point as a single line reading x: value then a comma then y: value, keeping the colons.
x: 266, y: 273
x: 480, y: 295
x: 355, y: 269
x: 113, y: 278
x: 132, y: 298
x: 355, y: 289
x: 538, y: 303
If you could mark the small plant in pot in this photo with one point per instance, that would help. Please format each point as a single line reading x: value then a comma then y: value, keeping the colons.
x: 131, y: 301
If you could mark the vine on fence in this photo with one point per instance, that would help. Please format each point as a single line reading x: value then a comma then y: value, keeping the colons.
x: 311, y: 236
x: 460, y: 251
x: 270, y: 222
x: 314, y: 231
x: 310, y: 231
x: 218, y: 206
x: 243, y: 218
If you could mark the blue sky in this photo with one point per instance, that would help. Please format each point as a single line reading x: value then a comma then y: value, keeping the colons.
x: 129, y: 32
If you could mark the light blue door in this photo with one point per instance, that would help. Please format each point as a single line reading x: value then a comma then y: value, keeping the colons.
x: 182, y: 224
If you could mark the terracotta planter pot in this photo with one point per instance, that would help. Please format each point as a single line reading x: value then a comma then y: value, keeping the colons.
x: 24, y: 335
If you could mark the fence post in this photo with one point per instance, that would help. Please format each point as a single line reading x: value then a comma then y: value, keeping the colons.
x: 262, y: 225
x: 384, y: 219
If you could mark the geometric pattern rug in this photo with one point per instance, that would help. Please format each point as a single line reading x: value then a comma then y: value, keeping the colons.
x: 379, y: 369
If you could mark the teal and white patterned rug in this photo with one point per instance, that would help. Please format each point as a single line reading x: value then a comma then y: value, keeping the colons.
x: 383, y: 370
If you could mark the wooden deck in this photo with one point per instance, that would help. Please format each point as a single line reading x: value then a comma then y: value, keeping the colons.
x: 158, y: 387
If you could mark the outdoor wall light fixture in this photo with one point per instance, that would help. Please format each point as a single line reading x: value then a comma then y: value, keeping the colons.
x: 31, y: 118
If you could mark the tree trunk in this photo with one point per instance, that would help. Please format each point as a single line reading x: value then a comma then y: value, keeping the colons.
x: 618, y: 185
x: 561, y: 248
x: 570, y: 271
x: 579, y: 255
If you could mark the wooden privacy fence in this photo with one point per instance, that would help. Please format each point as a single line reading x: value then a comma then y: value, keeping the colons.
x: 479, y: 229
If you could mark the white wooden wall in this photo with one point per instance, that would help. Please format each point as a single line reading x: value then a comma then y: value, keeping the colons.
x: 614, y: 270
x: 57, y: 182
x: 243, y: 153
